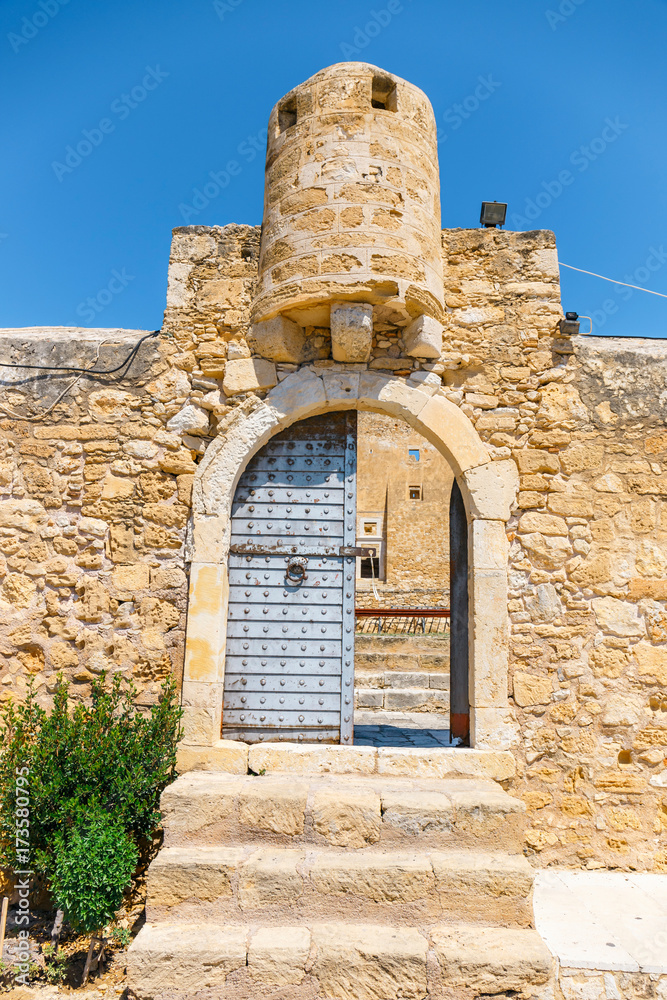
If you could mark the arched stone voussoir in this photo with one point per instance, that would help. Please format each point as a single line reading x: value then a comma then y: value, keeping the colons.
x: 242, y: 435
x: 453, y: 434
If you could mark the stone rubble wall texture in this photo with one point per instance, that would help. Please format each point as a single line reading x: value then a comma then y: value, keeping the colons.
x: 95, y: 503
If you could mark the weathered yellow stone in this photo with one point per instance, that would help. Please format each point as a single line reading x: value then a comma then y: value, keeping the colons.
x: 531, y: 690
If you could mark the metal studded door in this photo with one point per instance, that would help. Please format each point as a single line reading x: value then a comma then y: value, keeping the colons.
x: 289, y: 668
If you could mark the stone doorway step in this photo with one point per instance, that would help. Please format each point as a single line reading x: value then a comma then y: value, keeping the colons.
x: 343, y: 873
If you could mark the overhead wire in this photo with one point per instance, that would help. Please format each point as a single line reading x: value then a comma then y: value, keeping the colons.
x: 613, y: 280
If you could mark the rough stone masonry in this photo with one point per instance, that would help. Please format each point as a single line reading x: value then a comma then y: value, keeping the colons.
x: 96, y: 472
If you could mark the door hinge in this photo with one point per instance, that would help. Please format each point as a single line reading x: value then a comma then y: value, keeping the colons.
x: 355, y: 550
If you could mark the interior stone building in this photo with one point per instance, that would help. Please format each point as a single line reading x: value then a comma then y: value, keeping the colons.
x: 130, y: 510
x: 403, y: 490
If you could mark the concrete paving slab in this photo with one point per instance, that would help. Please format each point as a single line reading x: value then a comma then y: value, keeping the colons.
x: 613, y: 921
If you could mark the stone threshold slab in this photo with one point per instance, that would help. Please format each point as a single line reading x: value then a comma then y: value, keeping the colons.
x: 295, y: 758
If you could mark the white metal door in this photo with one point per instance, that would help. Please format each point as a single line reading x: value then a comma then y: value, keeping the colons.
x: 289, y: 669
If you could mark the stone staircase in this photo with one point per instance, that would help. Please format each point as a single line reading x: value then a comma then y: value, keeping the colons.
x: 402, y: 681
x: 334, y: 873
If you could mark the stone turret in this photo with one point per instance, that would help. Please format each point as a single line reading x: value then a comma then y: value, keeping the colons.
x: 351, y: 231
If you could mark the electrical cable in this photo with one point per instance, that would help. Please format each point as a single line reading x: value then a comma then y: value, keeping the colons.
x: 81, y: 372
x: 84, y: 371
x: 613, y: 281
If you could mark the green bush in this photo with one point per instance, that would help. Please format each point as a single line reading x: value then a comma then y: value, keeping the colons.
x: 92, y: 867
x: 105, y: 758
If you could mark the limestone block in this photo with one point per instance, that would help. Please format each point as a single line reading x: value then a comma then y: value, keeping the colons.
x: 561, y: 405
x: 351, y: 331
x: 297, y: 758
x: 207, y: 614
x: 347, y: 817
x: 190, y: 420
x: 179, y: 294
x: 131, y: 578
x: 472, y: 873
x: 386, y: 394
x: 622, y: 709
x: 491, y: 959
x: 423, y: 338
x: 548, y: 552
x: 225, y: 755
x: 489, y: 545
x: 277, y: 956
x: 180, y: 873
x: 270, y: 878
x: 545, y: 604
x: 206, y: 955
x: 198, y: 800
x: 651, y: 663
x: 278, y: 339
x: 397, y: 877
x: 618, y: 617
x: 342, y: 389
x: 276, y: 807
x: 492, y: 489
x: 298, y: 396
x: 445, y: 762
x: 545, y: 524
x: 26, y: 515
x: 248, y: 375
x: 172, y: 384
x: 428, y: 382
x: 415, y: 812
x: 357, y: 962
x: 530, y: 689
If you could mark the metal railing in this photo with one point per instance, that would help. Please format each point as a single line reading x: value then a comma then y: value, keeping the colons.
x: 402, y: 621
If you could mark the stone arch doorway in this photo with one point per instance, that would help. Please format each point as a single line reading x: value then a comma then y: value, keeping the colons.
x: 487, y: 490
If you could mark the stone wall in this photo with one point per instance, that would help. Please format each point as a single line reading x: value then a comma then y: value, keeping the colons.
x: 95, y: 500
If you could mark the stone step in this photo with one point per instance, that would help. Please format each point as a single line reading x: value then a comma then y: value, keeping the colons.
x: 341, y: 810
x: 396, y: 679
x: 355, y: 961
x: 403, y: 699
x: 227, y: 884
x: 399, y: 661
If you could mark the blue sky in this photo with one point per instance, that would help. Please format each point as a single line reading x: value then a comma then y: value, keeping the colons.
x: 561, y: 113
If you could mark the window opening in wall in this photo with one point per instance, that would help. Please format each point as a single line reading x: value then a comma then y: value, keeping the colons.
x: 370, y: 528
x: 383, y: 94
x: 414, y: 492
x: 413, y: 453
x: 370, y: 568
x: 287, y: 114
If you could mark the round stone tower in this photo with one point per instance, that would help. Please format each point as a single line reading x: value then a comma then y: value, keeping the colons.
x: 351, y: 231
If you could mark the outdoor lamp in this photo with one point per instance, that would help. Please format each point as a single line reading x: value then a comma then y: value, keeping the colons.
x: 493, y: 214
